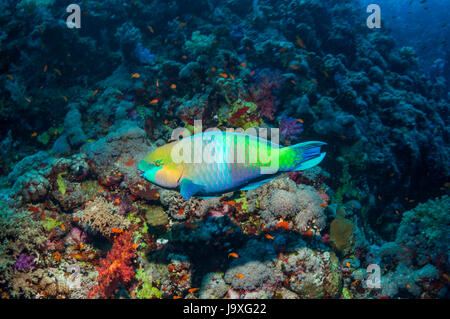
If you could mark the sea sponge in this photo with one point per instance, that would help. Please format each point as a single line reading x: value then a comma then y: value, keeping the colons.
x: 341, y: 234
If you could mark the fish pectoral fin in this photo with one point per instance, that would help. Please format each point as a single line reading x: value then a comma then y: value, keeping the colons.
x: 256, y: 184
x: 189, y: 188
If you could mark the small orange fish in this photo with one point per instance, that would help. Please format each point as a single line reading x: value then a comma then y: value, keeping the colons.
x: 293, y: 82
x: 231, y: 202
x: 101, y: 191
x: 240, y: 276
x: 315, y: 82
x: 270, y: 237
x: 181, y: 24
x: 34, y: 134
x: 189, y: 225
x: 149, y: 27
x: 117, y: 201
x: 95, y: 92
x: 45, y: 68
x: 185, y: 277
x: 176, y: 297
x: 116, y: 230
x: 281, y: 50
x: 157, y: 83
x: 135, y: 75
x: 57, y: 71
x: 309, y: 233
x: 355, y: 282
x: 173, y: 86
x: 234, y: 255
x: 63, y: 227
x: 193, y: 289
x: 166, y: 122
x: 184, y: 57
x: 301, y: 43
x: 9, y: 76
x: 154, y: 101
x: 135, y: 245
x: 283, y: 224
x: 300, y: 121
x: 294, y: 67
x: 348, y: 265
x: 323, y: 205
x: 244, y: 65
x: 65, y: 98
x: 408, y: 286
x: 180, y: 211
x: 223, y: 75
x: 232, y: 77
x: 28, y: 100
x: 75, y: 219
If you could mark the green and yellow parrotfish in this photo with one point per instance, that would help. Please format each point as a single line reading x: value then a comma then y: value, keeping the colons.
x: 213, y: 163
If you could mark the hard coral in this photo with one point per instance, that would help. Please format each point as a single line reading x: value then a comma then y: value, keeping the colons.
x: 102, y: 217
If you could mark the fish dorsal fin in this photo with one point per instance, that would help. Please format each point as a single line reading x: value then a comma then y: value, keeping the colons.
x: 188, y: 188
x: 256, y: 184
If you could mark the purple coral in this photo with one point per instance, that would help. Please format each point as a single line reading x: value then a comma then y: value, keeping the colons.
x: 24, y: 262
x: 290, y: 128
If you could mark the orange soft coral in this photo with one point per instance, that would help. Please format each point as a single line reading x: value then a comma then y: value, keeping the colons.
x: 116, y: 268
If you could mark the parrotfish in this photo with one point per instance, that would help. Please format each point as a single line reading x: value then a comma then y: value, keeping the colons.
x: 213, y: 163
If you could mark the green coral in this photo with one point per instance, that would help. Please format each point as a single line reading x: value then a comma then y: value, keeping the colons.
x: 146, y: 290
x: 242, y: 114
x: 61, y: 184
x: 44, y: 138
x: 346, y: 294
x: 51, y: 223
x: 243, y: 200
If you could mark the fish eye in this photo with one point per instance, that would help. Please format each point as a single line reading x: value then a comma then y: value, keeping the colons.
x: 158, y: 163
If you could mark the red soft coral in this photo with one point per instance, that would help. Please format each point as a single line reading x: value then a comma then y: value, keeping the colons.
x: 116, y: 268
x: 265, y: 100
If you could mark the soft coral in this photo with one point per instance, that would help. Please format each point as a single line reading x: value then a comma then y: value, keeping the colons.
x: 116, y: 268
x: 264, y: 97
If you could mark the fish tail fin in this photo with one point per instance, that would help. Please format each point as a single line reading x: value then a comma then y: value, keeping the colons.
x: 301, y: 156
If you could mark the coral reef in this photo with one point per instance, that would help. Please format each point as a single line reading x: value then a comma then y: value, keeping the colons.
x: 77, y: 115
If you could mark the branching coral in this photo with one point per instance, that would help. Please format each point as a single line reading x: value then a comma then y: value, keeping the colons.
x: 116, y: 269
